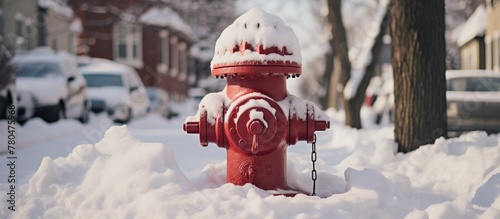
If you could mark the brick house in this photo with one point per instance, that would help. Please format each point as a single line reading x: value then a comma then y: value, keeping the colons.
x: 147, y: 35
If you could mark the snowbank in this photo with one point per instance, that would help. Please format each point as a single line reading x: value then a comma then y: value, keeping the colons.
x: 360, y: 177
x: 117, y: 177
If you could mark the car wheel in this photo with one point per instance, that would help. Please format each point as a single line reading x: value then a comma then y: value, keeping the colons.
x: 84, y: 118
x: 127, y: 118
x: 4, y: 107
x: 57, y: 114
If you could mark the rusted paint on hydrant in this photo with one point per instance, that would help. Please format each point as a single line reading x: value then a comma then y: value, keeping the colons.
x: 254, y: 117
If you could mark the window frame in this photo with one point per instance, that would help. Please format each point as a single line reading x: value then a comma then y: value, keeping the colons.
x: 128, y: 36
x: 164, y: 53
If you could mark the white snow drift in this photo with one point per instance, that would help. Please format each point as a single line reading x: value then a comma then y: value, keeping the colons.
x: 360, y: 177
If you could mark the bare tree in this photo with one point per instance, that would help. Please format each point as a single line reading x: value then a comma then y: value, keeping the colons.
x: 418, y: 59
x: 341, y: 70
x: 338, y: 64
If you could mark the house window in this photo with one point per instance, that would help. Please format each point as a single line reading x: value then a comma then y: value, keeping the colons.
x: 182, y: 61
x: 122, y: 42
x: 498, y: 53
x: 164, y: 57
x: 174, y: 56
x: 135, y: 42
x: 495, y: 49
x: 162, y: 51
x: 489, y: 54
x: 128, y: 44
x: 54, y: 44
x: 474, y: 64
x: 19, y: 28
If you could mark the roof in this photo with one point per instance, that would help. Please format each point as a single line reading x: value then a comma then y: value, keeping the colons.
x: 57, y: 6
x: 166, y: 17
x: 473, y: 27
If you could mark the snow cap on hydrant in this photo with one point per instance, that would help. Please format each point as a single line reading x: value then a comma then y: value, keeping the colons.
x: 254, y: 117
x: 257, y: 42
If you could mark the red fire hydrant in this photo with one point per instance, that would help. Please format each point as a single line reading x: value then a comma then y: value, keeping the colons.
x: 254, y: 117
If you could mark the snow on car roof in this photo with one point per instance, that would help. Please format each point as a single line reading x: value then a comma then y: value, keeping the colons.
x: 106, y: 67
x: 42, y: 54
x: 471, y: 73
x: 256, y: 27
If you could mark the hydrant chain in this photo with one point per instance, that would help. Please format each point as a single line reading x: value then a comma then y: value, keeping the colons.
x: 314, y: 174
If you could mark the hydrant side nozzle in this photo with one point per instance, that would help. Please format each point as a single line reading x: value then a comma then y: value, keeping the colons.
x: 192, y: 127
x: 321, y: 125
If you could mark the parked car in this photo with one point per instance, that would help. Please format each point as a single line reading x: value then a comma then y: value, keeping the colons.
x: 7, y: 82
x: 52, y: 83
x: 116, y: 89
x: 472, y: 96
x: 158, y: 101
x: 473, y: 100
x: 83, y: 61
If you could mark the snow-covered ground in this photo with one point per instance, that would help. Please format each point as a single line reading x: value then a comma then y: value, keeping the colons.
x: 152, y: 169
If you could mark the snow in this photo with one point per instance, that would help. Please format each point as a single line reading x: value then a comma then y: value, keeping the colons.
x: 258, y: 115
x: 152, y: 169
x: 76, y: 26
x: 213, y: 103
x: 257, y: 28
x: 166, y: 17
x: 474, y: 26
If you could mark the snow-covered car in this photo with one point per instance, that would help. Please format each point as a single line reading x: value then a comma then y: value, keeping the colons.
x: 83, y: 61
x: 53, y: 84
x: 7, y: 82
x: 116, y: 89
x: 473, y: 100
x: 158, y: 101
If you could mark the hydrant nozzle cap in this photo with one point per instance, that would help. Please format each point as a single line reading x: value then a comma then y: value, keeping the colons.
x: 257, y: 42
x: 256, y: 127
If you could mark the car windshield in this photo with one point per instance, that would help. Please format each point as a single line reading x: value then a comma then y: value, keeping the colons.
x: 103, y: 80
x: 37, y: 69
x: 152, y: 95
x: 474, y: 84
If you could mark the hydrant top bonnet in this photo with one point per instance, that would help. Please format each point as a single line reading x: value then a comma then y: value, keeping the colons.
x: 257, y: 42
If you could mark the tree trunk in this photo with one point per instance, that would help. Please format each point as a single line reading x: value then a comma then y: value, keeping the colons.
x: 353, y: 105
x: 418, y: 59
x: 327, y: 81
x: 341, y: 64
